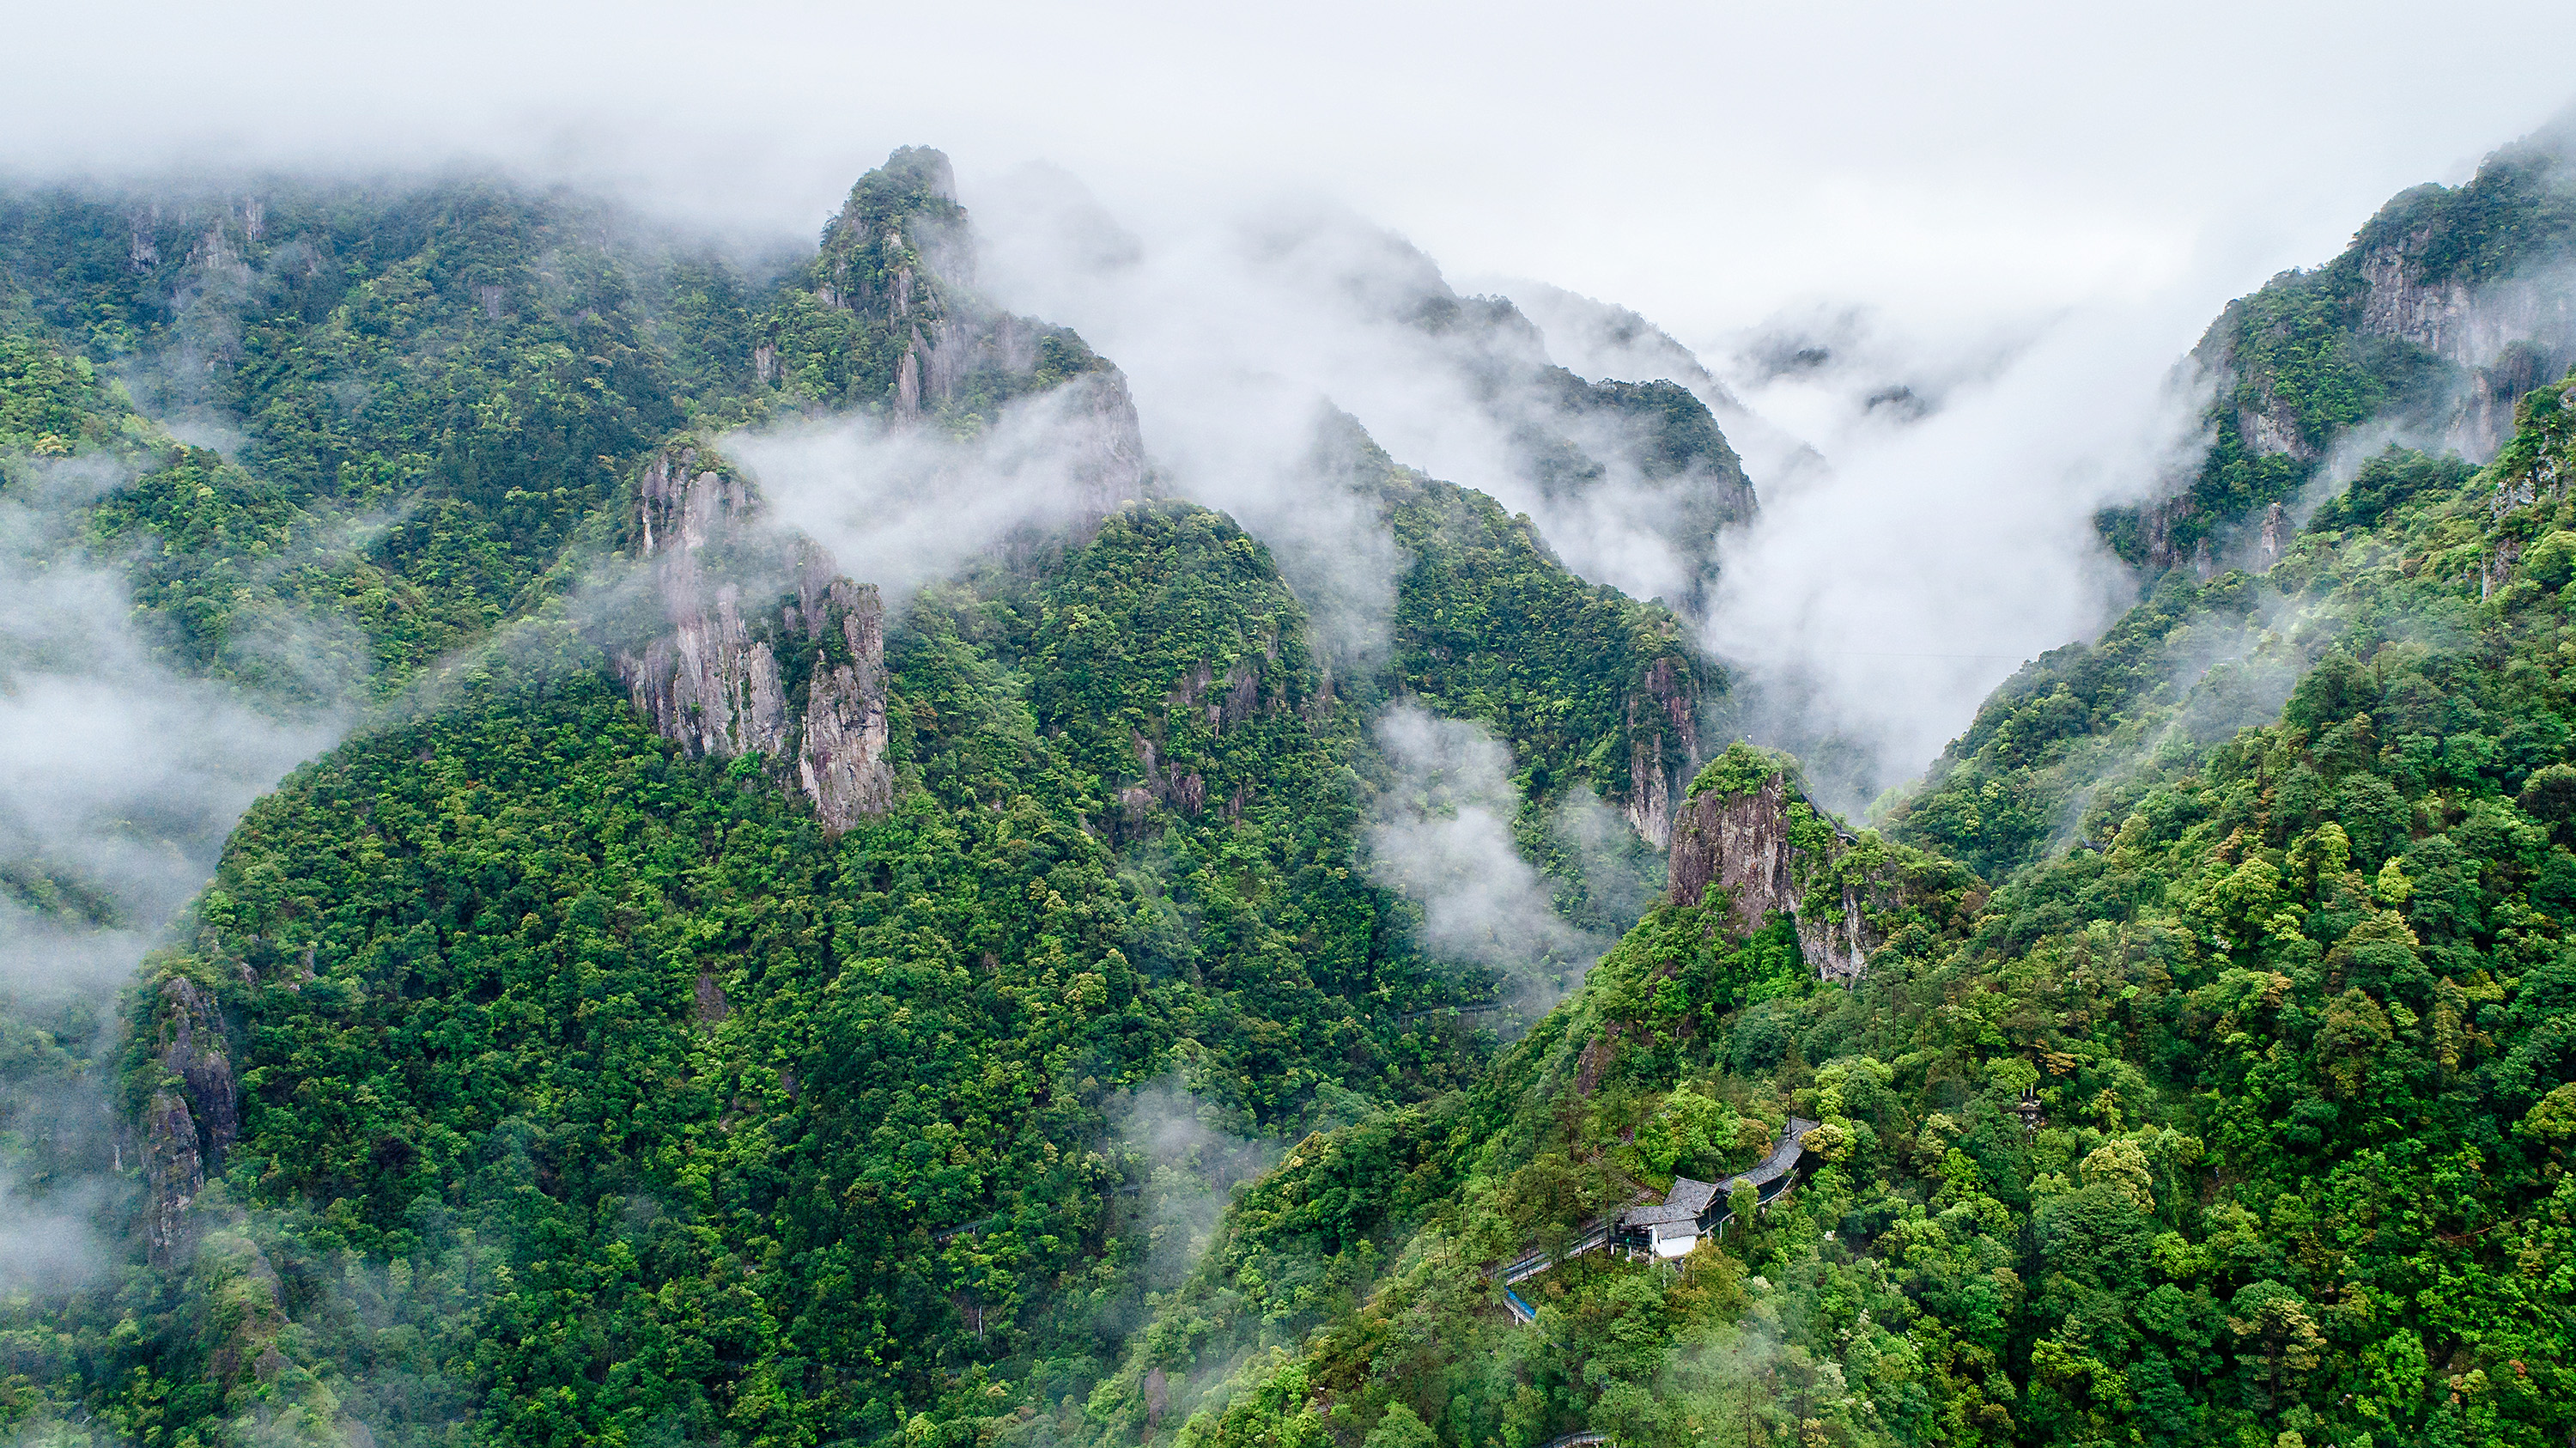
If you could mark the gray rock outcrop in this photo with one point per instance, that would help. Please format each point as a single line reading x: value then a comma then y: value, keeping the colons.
x: 711, y: 677
x: 191, y: 1121
x: 1663, y: 749
x: 1743, y: 846
x: 2506, y: 336
x: 174, y: 1173
x: 2500, y: 338
x: 841, y: 758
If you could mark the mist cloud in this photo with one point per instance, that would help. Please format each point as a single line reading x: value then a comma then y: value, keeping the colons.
x: 1943, y: 537
x: 903, y: 505
x: 119, y: 780
x: 51, y: 1243
x: 1441, y: 835
x: 115, y: 771
x: 1869, y: 612
x: 1192, y: 1153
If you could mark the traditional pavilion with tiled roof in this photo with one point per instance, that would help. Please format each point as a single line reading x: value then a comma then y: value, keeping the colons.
x: 1694, y: 1208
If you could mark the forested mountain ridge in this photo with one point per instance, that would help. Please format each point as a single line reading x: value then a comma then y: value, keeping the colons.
x: 2247, y: 1122
x: 1652, y: 448
x: 562, y: 1059
x: 2447, y: 307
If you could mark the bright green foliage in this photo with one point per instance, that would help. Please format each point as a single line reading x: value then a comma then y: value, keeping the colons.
x: 679, y: 1100
x: 1490, y: 626
x: 1741, y: 769
x: 2292, y: 1041
x: 1394, y: 1218
x: 245, y: 584
x: 52, y: 404
x: 590, y: 1092
x: 435, y: 389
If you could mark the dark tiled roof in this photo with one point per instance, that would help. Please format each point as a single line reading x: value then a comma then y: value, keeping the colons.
x: 1782, y: 1160
x: 1691, y: 1194
x: 1692, y: 1200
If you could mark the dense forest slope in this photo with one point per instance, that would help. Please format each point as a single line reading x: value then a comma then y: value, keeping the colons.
x: 708, y: 999
x: 2248, y: 1121
x: 2059, y: 750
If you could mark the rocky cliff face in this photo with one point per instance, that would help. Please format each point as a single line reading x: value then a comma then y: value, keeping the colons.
x: 841, y: 758
x: 2502, y: 338
x: 755, y: 643
x: 191, y: 1120
x: 1746, y: 846
x: 1663, y: 748
x: 2507, y: 337
x: 1106, y: 442
x: 174, y: 1172
x: 715, y: 681
x: 708, y: 684
x: 2450, y: 306
x: 2449, y: 316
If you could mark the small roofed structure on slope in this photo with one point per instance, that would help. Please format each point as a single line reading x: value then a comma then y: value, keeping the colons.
x: 1693, y: 1209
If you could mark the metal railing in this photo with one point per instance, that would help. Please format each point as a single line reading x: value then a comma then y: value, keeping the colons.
x: 1537, y: 1262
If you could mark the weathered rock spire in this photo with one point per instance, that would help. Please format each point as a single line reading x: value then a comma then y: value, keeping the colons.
x: 716, y: 682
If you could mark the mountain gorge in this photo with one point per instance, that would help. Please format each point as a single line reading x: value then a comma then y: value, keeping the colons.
x: 775, y: 877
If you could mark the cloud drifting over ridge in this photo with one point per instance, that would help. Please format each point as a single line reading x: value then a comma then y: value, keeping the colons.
x: 901, y: 507
x: 1706, y: 163
x: 1238, y: 330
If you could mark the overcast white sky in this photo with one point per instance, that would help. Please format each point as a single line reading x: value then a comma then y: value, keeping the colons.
x: 1705, y: 163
